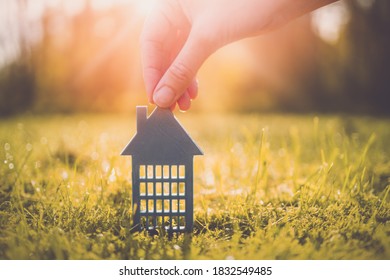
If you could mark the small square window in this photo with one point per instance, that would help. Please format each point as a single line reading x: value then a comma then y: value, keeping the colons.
x: 182, y: 171
x: 159, y: 205
x: 173, y: 171
x: 182, y: 221
x: 166, y: 172
x: 166, y: 188
x: 150, y: 206
x: 150, y: 172
x: 182, y: 205
x: 151, y: 222
x: 159, y: 188
x: 143, y: 222
x: 167, y: 221
x: 174, y: 223
x: 174, y: 189
x: 142, y: 188
x: 150, y: 189
x: 182, y: 188
x: 158, y: 171
x: 142, y: 171
x: 174, y: 205
x: 167, y: 206
x: 159, y: 221
x: 143, y: 205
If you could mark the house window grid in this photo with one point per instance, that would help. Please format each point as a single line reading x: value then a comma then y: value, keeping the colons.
x: 174, y: 218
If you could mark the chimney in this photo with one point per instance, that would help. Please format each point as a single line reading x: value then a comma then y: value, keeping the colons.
x: 142, y: 112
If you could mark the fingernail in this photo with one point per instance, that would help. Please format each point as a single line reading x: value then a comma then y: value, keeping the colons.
x: 164, y: 97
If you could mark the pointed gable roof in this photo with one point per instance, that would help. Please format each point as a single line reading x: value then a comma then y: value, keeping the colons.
x: 160, y: 137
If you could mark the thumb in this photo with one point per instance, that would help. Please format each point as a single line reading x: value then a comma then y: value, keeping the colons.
x: 180, y: 73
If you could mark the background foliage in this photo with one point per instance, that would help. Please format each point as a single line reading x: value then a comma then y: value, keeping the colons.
x: 88, y: 60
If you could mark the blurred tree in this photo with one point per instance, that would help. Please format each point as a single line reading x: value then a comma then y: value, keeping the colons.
x: 17, y: 78
x: 279, y: 70
x: 352, y: 75
x: 89, y: 61
x: 85, y: 62
x: 294, y: 70
x: 17, y: 88
x: 365, y: 57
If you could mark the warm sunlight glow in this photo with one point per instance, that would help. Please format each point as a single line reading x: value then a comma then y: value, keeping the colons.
x: 85, y: 55
x: 144, y: 6
x: 141, y: 6
x: 329, y: 21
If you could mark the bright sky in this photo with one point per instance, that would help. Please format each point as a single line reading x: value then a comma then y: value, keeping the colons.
x: 36, y: 7
x: 327, y: 21
x: 10, y: 30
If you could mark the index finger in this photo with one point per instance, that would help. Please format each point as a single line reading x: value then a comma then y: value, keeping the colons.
x: 153, y: 53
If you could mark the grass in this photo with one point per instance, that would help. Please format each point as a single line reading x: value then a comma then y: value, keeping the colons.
x: 268, y: 187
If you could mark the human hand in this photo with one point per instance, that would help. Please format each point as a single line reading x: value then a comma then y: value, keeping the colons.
x: 179, y: 35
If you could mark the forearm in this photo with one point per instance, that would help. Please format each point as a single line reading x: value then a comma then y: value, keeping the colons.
x: 280, y: 12
x: 297, y: 8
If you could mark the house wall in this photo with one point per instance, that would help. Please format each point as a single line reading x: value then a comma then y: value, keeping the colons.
x: 189, y: 196
x: 188, y: 163
x: 136, y: 194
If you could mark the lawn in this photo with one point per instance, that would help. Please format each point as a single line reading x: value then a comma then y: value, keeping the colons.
x: 268, y: 187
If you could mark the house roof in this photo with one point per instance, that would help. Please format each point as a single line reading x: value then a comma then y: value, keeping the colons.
x: 160, y: 137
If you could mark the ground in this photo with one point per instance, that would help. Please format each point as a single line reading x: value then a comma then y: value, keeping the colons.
x: 268, y: 187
